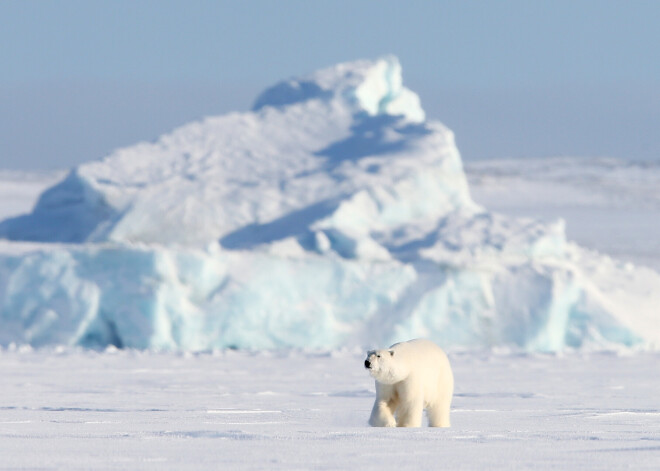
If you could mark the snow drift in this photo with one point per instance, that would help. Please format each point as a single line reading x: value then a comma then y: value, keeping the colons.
x: 331, y: 214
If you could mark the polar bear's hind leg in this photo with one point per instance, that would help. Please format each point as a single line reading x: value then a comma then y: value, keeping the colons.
x: 439, y: 414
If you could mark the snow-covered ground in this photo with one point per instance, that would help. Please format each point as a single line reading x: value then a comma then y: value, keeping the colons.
x: 294, y: 410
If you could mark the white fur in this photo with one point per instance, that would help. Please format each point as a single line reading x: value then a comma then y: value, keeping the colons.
x: 410, y: 377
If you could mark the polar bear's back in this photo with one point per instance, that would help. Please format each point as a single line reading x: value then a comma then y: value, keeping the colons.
x: 429, y: 363
x: 418, y: 349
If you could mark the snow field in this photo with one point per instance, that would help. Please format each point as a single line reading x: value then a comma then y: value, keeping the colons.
x: 77, y: 409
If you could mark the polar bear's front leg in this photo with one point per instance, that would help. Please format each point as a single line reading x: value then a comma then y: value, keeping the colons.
x: 382, y: 414
x: 410, y: 413
x: 411, y: 403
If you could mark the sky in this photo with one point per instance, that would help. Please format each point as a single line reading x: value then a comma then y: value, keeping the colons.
x: 511, y: 78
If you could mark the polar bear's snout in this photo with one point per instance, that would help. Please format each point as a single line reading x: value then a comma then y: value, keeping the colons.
x: 367, y: 364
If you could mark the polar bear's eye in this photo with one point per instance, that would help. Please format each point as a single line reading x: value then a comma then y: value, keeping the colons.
x: 377, y: 355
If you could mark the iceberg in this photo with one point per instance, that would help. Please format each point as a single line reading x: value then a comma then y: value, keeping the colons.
x: 331, y: 214
x: 309, y: 145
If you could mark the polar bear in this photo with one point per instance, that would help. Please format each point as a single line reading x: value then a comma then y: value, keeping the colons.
x: 410, y: 377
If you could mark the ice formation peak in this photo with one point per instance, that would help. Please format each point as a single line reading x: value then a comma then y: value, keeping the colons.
x: 313, y: 142
x: 374, y: 87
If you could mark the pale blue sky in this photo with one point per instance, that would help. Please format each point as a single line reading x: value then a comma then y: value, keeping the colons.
x: 510, y: 77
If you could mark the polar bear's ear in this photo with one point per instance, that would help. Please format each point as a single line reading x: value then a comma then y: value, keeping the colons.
x: 391, y: 353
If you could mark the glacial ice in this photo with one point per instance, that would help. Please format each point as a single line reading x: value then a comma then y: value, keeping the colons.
x: 332, y: 214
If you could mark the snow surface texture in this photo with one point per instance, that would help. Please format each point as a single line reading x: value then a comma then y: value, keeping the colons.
x: 332, y: 214
x: 69, y: 409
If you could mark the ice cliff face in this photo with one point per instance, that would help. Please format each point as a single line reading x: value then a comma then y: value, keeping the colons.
x: 332, y: 214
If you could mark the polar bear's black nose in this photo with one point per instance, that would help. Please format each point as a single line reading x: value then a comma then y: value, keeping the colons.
x: 367, y: 364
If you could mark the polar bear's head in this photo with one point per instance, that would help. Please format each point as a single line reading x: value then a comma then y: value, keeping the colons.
x: 385, y: 367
